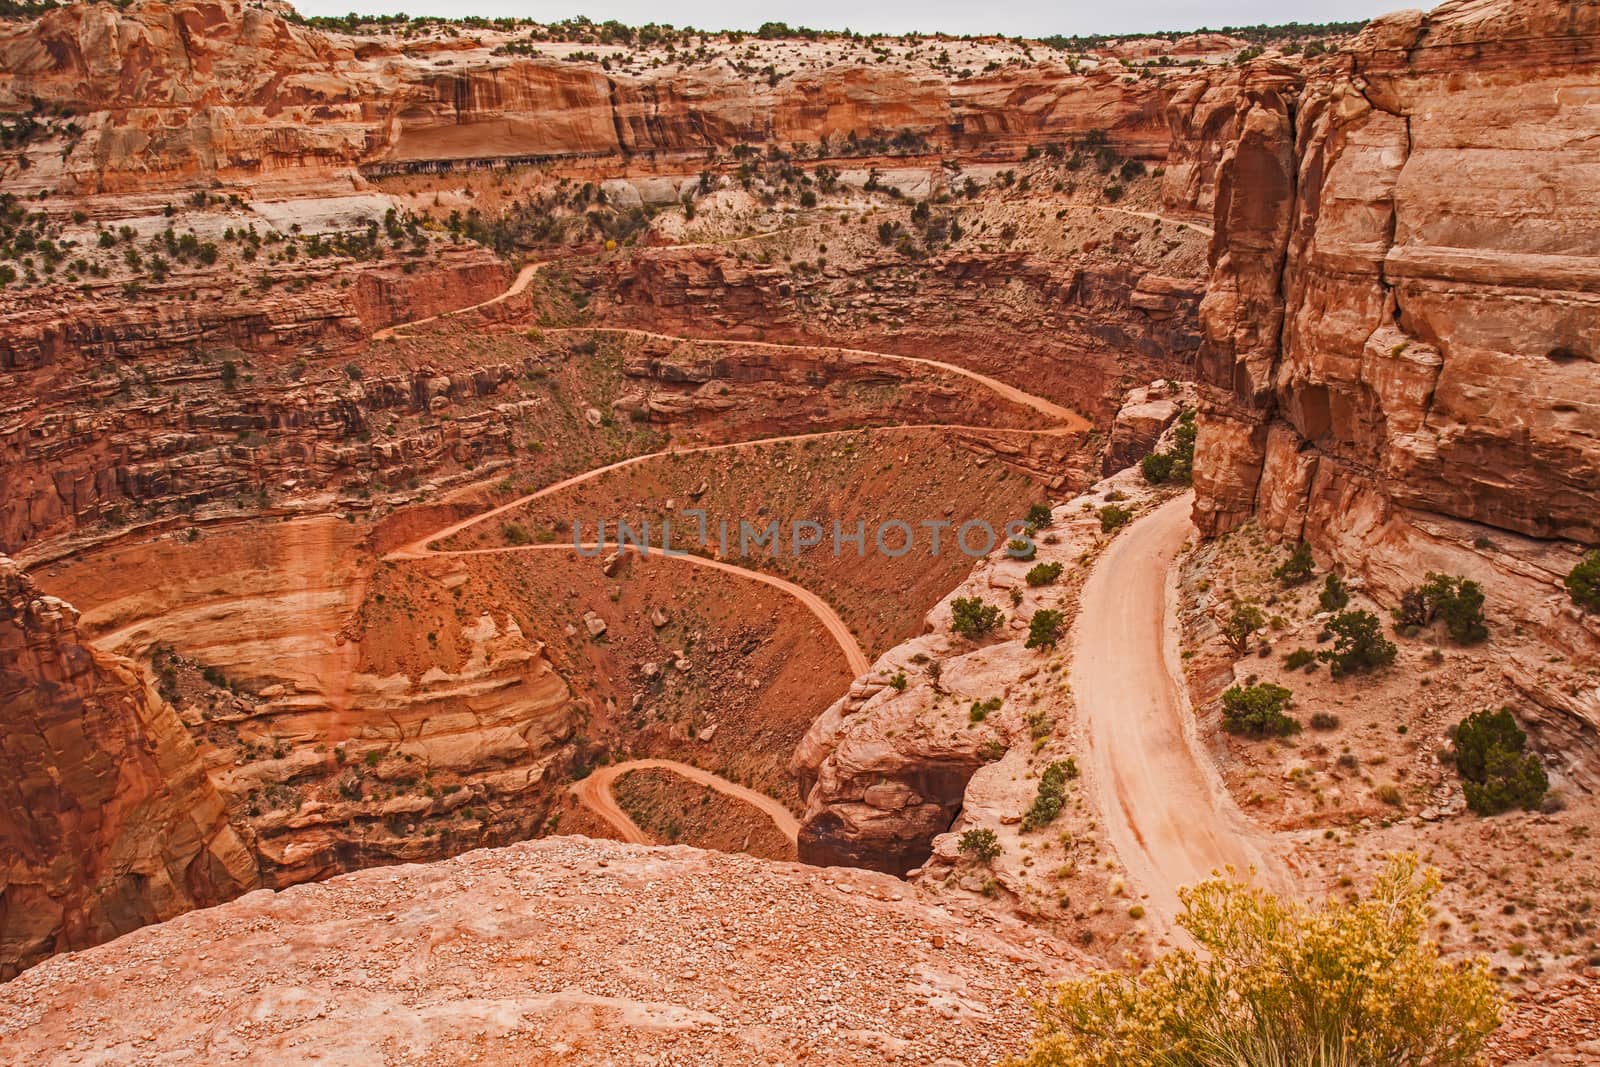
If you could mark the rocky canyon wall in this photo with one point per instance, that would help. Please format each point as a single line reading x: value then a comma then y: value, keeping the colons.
x: 108, y: 820
x: 1402, y: 319
x: 182, y: 92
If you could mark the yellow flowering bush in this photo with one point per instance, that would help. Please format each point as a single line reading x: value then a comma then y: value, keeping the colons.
x: 1279, y: 984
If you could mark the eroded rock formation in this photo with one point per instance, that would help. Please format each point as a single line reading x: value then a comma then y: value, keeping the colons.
x: 107, y: 818
x: 201, y: 89
x: 1401, y: 323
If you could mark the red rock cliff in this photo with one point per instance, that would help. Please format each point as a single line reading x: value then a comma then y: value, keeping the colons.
x: 1402, y: 328
x: 208, y: 89
x: 107, y: 819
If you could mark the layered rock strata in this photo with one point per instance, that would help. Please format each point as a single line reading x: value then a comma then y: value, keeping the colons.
x: 1401, y: 322
x: 107, y: 818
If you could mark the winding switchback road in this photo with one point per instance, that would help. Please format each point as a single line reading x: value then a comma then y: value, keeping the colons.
x: 594, y: 791
x: 1169, y: 816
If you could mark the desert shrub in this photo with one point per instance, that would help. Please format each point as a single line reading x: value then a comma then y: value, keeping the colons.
x: 1039, y: 516
x: 1257, y: 711
x: 1044, y: 629
x: 1297, y: 569
x: 1497, y: 773
x: 1412, y: 613
x: 1459, y: 602
x: 515, y: 533
x: 1359, y: 646
x: 1334, y: 595
x: 1182, y: 452
x: 898, y: 682
x: 982, y: 845
x: 1244, y: 619
x: 981, y: 708
x: 1156, y: 467
x: 1052, y: 794
x: 1043, y: 573
x: 972, y: 618
x: 1275, y: 982
x: 1113, y: 517
x: 1299, y: 659
x: 1021, y: 548
x: 1456, y: 600
x: 1324, y: 720
x: 1176, y: 464
x: 1583, y: 583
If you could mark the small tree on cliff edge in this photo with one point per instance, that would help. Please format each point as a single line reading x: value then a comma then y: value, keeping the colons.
x: 1244, y: 619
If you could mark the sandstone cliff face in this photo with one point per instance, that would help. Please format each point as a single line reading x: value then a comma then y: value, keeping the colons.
x: 199, y: 89
x: 107, y: 818
x: 1084, y: 329
x: 1401, y: 324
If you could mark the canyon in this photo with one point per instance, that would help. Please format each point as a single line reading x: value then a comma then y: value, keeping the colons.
x: 343, y: 356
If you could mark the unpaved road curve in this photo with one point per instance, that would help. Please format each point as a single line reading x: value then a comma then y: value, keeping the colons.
x: 595, y: 794
x: 420, y: 547
x: 1169, y: 816
x: 1067, y: 419
x: 1167, y: 219
x: 857, y: 659
x: 518, y: 284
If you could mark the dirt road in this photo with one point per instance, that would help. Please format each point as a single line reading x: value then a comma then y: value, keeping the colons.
x: 1067, y: 419
x: 854, y: 656
x: 594, y: 792
x: 1169, y: 816
x: 518, y: 284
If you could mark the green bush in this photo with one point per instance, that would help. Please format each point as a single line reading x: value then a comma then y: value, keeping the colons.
x: 982, y: 845
x: 1459, y: 602
x: 1324, y: 720
x: 1176, y: 464
x: 1456, y: 600
x: 515, y: 533
x: 972, y: 618
x: 1112, y: 517
x: 1257, y: 711
x: 1497, y: 773
x: 1156, y: 467
x: 981, y: 708
x: 1359, y: 646
x: 1052, y: 794
x: 1043, y: 573
x: 1583, y: 584
x: 1021, y: 548
x: 1297, y: 569
x: 1334, y: 595
x: 1044, y: 629
x: 1299, y: 659
x: 1039, y: 516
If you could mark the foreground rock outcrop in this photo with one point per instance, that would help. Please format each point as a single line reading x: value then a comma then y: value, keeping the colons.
x: 557, y: 951
x: 107, y: 818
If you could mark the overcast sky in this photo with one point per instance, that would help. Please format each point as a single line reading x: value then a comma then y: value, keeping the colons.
x: 1033, y: 18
